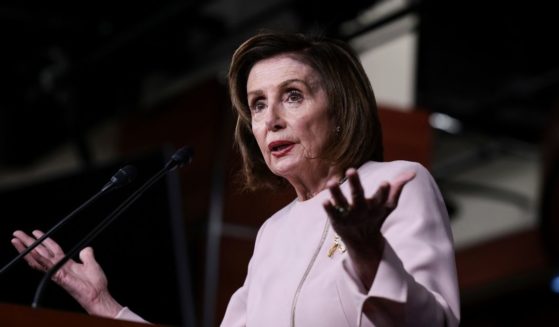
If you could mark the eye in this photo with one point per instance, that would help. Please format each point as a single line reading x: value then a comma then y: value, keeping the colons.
x: 294, y: 96
x: 257, y: 105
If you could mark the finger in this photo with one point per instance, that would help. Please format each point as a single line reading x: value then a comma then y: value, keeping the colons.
x: 43, y: 248
x: 336, y: 218
x: 29, y: 240
x: 405, y: 177
x: 24, y: 238
x: 50, y: 244
x: 356, y: 188
x: 45, y: 262
x: 397, y: 187
x: 337, y: 195
x: 20, y: 247
x: 330, y: 210
x: 87, y: 257
x: 42, y: 251
x: 380, y: 196
x: 38, y: 258
x: 18, y: 244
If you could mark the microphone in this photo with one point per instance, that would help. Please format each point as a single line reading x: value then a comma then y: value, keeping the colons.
x: 122, y: 177
x: 180, y: 158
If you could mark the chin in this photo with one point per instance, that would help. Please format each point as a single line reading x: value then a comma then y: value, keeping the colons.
x: 284, y: 169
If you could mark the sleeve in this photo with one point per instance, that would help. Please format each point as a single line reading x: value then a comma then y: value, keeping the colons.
x: 235, y: 315
x: 416, y: 282
x: 127, y: 314
x: 236, y: 312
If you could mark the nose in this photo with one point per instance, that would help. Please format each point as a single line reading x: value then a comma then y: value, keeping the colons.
x: 274, y: 119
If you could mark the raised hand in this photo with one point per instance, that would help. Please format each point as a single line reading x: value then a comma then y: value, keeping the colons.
x: 85, y: 281
x: 358, y: 221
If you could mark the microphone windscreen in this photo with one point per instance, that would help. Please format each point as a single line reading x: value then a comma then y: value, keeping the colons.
x: 183, y: 156
x: 124, y: 176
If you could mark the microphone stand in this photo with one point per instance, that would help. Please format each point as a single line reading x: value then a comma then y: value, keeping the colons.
x: 123, y: 176
x: 178, y: 160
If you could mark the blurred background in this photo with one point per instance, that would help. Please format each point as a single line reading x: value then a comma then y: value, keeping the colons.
x: 469, y: 89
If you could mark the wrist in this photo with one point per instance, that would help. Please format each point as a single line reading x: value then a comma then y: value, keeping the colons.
x: 366, y: 260
x: 104, y: 305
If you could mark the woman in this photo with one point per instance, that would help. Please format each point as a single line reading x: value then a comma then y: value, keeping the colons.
x: 358, y: 247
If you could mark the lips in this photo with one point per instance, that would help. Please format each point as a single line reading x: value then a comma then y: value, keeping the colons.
x: 280, y: 148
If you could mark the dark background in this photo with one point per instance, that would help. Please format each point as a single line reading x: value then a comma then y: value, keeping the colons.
x: 157, y: 68
x: 492, y: 66
x: 67, y: 67
x: 137, y: 251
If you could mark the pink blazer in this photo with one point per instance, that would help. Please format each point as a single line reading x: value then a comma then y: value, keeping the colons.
x: 291, y: 281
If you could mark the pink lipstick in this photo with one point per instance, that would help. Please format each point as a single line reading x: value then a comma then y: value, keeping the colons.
x: 280, y: 148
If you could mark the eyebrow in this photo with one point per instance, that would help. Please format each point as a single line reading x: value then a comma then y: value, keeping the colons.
x: 281, y: 85
x: 294, y: 80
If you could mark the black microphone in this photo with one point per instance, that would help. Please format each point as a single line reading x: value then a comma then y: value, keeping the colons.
x: 122, y: 177
x: 180, y: 158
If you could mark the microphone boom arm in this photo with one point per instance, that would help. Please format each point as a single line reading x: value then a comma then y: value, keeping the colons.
x: 124, y: 176
x: 181, y: 157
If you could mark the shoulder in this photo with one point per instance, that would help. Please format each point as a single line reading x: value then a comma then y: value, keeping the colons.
x: 388, y: 170
x: 276, y: 218
x: 422, y: 186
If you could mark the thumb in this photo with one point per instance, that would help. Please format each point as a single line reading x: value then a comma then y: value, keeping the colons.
x: 398, y: 186
x: 87, y: 257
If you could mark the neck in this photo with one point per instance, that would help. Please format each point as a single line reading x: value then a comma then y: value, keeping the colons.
x: 308, y: 185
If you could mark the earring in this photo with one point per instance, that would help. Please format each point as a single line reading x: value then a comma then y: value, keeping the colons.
x: 338, y: 129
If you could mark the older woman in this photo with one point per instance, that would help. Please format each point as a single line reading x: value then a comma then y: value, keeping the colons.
x: 366, y: 242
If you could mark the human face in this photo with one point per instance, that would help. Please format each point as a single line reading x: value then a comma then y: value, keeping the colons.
x: 289, y: 113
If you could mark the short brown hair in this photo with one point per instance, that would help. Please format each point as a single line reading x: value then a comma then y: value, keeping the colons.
x: 351, y: 100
